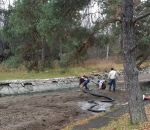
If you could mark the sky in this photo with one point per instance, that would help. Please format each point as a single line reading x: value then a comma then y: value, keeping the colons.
x: 7, y: 2
x: 11, y: 2
x: 90, y: 14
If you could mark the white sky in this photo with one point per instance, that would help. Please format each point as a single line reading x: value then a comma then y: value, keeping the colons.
x: 7, y: 2
x: 91, y: 14
x: 11, y: 2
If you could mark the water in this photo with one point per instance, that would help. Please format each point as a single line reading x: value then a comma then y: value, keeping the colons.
x: 101, y: 106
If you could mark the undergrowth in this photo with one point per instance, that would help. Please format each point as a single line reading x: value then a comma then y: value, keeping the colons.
x: 87, y: 67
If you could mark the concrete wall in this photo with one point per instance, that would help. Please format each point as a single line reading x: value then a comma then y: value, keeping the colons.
x: 29, y: 86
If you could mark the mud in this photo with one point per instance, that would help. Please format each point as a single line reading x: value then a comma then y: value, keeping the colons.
x: 46, y: 111
x: 51, y: 110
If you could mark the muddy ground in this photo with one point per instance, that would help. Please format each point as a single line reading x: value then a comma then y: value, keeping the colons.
x: 48, y: 111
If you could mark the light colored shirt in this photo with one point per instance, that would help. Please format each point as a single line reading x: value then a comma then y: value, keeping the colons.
x: 101, y: 83
x: 143, y: 97
x: 112, y: 74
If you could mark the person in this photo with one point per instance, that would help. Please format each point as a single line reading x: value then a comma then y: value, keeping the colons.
x: 102, y: 84
x: 146, y: 97
x: 112, y: 75
x: 83, y: 82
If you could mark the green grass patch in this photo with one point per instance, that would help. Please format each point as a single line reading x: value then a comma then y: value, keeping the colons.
x: 51, y: 73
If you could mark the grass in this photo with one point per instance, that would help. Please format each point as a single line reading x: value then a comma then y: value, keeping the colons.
x: 50, y: 73
x: 88, y: 67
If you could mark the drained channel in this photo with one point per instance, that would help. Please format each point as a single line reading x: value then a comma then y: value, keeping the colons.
x: 17, y: 87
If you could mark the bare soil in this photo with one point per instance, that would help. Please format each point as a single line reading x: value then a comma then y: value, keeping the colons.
x: 47, y: 111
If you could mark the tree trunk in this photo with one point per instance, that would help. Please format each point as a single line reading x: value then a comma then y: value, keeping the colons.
x: 136, y: 106
x: 43, y: 53
x: 107, y: 52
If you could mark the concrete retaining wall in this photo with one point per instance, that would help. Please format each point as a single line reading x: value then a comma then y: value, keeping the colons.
x: 9, y: 87
x: 30, y: 86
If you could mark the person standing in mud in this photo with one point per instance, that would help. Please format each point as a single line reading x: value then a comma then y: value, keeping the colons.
x: 112, y: 76
x: 83, y: 82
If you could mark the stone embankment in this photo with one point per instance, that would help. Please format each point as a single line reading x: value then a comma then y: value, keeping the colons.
x: 9, y: 87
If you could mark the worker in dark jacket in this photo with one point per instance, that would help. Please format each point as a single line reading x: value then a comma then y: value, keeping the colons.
x: 83, y: 82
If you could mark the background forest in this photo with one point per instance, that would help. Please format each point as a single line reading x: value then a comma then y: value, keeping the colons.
x: 39, y: 34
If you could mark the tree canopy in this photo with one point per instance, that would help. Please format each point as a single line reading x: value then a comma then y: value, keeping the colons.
x: 45, y: 31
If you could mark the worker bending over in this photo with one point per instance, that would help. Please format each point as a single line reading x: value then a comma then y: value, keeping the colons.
x: 83, y: 82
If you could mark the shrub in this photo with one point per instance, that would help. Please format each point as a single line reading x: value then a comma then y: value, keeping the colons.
x: 12, y: 62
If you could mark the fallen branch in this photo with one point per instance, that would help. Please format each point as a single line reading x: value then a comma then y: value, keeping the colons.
x: 141, y: 17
